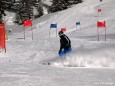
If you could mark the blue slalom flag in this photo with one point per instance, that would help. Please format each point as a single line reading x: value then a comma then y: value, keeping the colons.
x: 77, y: 23
x: 53, y: 26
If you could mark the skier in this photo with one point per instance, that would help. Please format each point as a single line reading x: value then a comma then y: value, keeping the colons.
x: 65, y: 44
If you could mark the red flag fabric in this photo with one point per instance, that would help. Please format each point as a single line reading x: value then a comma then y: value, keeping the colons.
x: 99, y: 10
x: 2, y: 36
x: 101, y: 24
x: 63, y: 29
x: 28, y: 23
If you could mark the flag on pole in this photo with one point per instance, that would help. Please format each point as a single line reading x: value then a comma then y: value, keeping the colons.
x: 63, y: 29
x: 28, y: 23
x: 53, y: 26
x: 101, y: 24
x: 99, y: 10
x: 2, y: 36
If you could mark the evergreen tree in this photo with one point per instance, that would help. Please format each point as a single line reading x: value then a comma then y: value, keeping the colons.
x: 39, y: 7
x: 4, y: 5
x: 62, y: 4
x: 73, y: 1
x: 25, y: 11
x: 24, y: 8
x: 58, y: 5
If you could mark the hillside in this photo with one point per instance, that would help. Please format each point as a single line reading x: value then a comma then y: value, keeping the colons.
x: 91, y: 62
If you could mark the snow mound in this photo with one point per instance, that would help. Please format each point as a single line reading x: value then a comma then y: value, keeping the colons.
x: 86, y: 62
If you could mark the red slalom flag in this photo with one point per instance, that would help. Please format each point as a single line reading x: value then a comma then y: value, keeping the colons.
x: 28, y: 23
x: 101, y: 24
x: 63, y: 29
x: 99, y: 10
x: 2, y: 36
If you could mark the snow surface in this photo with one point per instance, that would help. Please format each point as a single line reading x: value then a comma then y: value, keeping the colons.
x: 91, y: 63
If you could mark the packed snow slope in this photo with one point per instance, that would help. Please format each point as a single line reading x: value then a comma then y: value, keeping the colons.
x: 87, y: 50
x: 91, y: 62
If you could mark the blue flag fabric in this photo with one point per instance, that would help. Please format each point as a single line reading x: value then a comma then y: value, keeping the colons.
x: 53, y: 26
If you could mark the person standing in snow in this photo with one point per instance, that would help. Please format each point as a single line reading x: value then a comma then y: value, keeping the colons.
x: 65, y: 44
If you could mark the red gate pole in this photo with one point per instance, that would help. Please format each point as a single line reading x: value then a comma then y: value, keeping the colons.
x: 98, y: 34
x: 32, y: 32
x: 105, y: 34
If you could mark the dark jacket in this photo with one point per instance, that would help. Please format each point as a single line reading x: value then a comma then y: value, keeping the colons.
x: 65, y: 42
